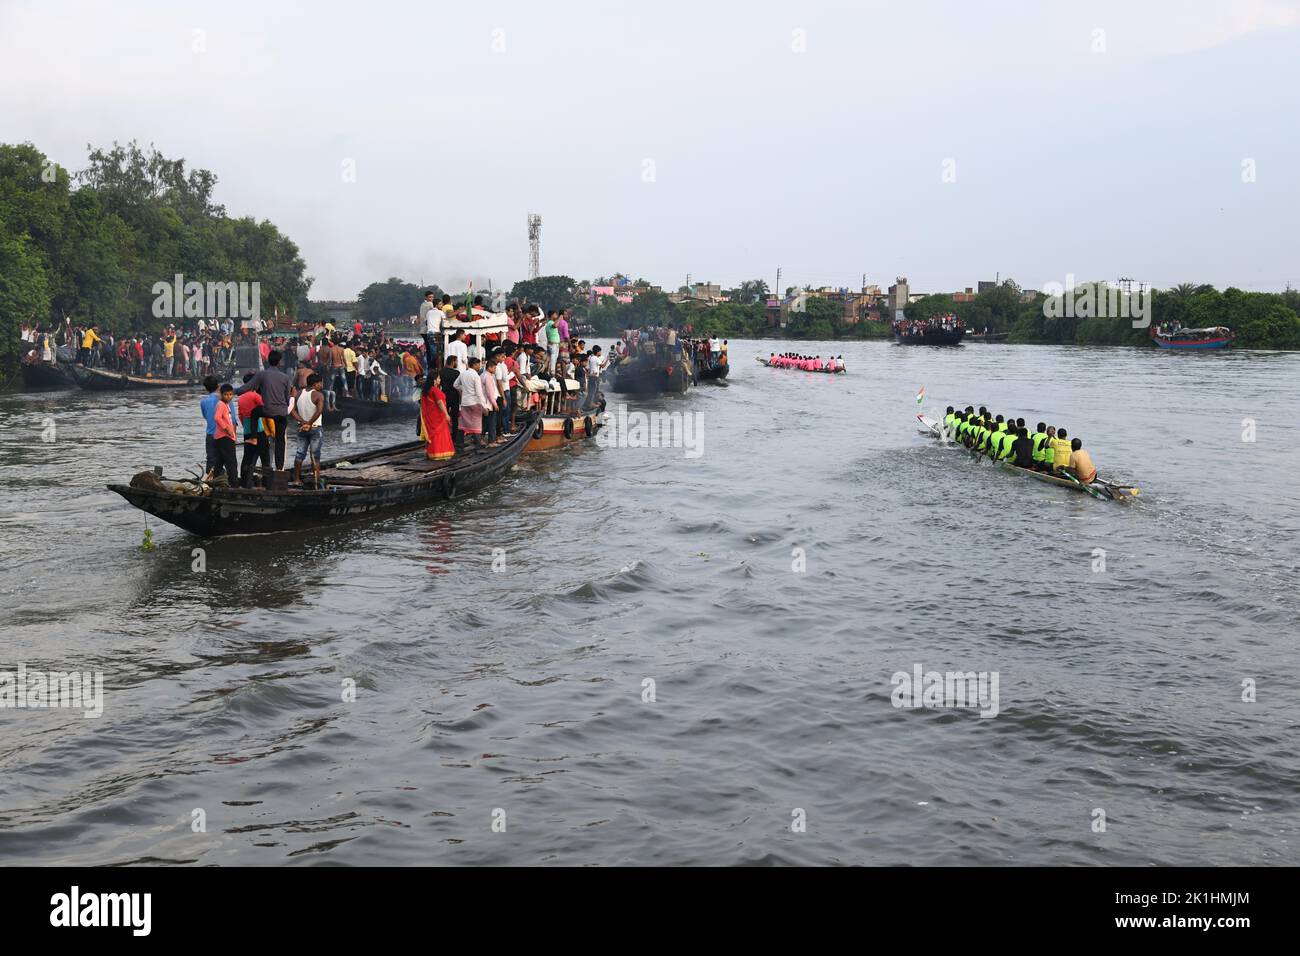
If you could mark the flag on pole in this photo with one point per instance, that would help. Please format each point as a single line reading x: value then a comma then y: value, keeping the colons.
x: 920, y: 396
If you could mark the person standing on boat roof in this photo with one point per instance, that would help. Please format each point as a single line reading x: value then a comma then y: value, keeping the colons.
x: 552, y: 333
x: 431, y: 324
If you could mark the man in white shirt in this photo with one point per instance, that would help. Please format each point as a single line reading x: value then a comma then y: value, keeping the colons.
x: 503, y: 377
x: 473, y: 403
x: 431, y: 322
x: 458, y: 348
x: 362, y: 364
x: 595, y: 362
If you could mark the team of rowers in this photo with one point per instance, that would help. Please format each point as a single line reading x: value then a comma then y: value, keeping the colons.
x: 1047, y: 448
x: 806, y: 363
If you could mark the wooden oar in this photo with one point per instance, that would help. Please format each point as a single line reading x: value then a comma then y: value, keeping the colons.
x: 1088, y: 488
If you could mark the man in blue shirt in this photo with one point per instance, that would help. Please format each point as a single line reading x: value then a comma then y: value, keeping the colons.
x: 208, y: 405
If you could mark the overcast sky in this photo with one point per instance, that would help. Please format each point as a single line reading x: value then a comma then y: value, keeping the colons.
x: 721, y: 139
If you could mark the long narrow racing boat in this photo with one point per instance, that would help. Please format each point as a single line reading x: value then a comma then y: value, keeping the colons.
x: 400, y: 476
x: 791, y: 368
x: 1098, y: 487
x: 104, y: 380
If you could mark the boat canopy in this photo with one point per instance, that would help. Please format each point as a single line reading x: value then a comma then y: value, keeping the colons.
x: 484, y: 323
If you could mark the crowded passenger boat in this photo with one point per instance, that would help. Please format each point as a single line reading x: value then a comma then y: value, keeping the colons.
x: 485, y: 387
x: 1171, y: 335
x: 651, y: 361
x: 946, y: 329
x: 804, y: 363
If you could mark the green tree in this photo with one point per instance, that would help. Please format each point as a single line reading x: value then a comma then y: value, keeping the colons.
x: 548, y: 292
x: 393, y: 298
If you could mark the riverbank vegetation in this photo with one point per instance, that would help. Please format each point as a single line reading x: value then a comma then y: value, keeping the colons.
x: 1261, y: 320
x: 91, y: 244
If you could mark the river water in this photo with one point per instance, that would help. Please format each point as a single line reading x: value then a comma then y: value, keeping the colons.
x: 687, y: 656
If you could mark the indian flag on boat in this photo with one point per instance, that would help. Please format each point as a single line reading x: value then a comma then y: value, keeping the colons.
x: 920, y: 396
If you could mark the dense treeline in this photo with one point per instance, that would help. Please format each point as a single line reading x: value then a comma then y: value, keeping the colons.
x: 91, y: 245
x: 1261, y: 320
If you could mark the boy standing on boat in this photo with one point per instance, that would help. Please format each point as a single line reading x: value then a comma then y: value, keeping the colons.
x: 223, y: 437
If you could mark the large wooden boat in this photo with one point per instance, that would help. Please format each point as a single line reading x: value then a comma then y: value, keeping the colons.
x: 1218, y: 337
x: 936, y: 336
x: 653, y: 374
x: 791, y: 368
x: 1098, y: 487
x: 46, y: 377
x: 397, y: 477
x: 715, y: 369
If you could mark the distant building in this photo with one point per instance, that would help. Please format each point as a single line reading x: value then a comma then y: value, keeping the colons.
x: 705, y: 293
x: 601, y: 291
x: 985, y: 286
x: 967, y: 296
x: 897, y: 299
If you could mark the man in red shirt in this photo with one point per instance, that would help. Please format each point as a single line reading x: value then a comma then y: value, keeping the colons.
x: 257, y: 444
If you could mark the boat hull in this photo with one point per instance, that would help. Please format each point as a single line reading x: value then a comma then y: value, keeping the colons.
x: 713, y: 373
x: 1193, y: 345
x: 933, y: 337
x: 240, y: 511
x: 103, y: 380
x: 46, y: 377
x: 639, y: 379
x: 549, y: 432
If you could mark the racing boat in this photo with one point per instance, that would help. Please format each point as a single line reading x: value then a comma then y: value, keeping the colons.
x: 1098, y: 487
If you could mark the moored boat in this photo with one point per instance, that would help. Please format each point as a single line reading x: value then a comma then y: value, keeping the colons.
x: 1098, y: 487
x: 400, y: 476
x: 1217, y: 337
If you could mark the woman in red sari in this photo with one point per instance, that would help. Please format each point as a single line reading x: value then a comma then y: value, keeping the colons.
x: 435, y: 423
